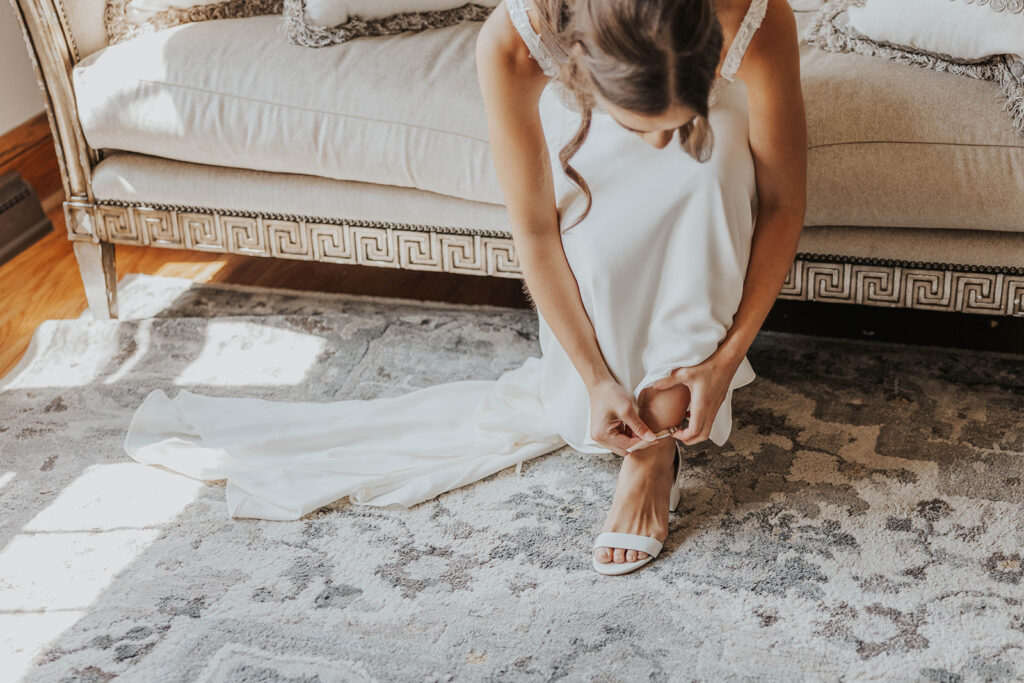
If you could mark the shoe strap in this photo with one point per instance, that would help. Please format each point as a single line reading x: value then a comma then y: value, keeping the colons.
x: 615, y: 539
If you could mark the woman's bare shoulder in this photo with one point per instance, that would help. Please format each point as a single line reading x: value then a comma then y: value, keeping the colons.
x: 774, y: 51
x: 500, y: 46
x: 731, y: 14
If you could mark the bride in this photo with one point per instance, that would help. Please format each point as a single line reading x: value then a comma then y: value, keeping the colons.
x: 649, y: 291
x: 654, y: 229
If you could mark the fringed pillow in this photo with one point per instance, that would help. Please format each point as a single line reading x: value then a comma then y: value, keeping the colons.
x: 126, y: 19
x: 978, y: 38
x: 316, y: 23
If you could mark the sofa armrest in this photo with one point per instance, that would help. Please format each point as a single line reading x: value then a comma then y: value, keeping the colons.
x: 53, y: 54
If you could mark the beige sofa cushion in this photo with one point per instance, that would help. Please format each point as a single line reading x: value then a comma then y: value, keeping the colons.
x: 136, y: 178
x: 400, y: 110
x: 898, y: 145
x: 892, y: 144
x: 889, y: 144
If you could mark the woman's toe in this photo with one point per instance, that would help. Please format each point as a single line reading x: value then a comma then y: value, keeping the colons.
x: 619, y: 555
x: 630, y: 555
x: 641, y: 555
x: 603, y: 554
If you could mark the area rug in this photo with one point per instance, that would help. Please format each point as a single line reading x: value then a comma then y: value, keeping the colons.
x: 864, y: 521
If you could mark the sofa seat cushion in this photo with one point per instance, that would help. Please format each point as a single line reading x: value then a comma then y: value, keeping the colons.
x: 135, y: 179
x: 889, y: 144
x: 124, y: 177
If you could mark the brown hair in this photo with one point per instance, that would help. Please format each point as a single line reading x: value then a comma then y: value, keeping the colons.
x: 641, y: 55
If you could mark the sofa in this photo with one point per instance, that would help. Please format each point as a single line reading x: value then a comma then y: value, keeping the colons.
x: 221, y: 136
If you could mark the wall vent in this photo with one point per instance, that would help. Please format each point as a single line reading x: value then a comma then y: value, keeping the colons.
x: 22, y: 220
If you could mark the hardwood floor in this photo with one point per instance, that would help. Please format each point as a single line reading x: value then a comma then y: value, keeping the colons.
x: 42, y: 282
x: 29, y: 150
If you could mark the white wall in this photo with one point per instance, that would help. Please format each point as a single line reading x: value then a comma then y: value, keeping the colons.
x: 20, y: 98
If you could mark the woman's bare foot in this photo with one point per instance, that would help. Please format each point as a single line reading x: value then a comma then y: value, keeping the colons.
x: 640, y: 505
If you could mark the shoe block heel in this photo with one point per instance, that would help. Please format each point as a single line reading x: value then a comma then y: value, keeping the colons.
x: 676, y: 494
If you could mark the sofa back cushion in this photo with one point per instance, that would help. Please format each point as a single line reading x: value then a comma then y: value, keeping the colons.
x: 83, y: 22
x: 398, y: 110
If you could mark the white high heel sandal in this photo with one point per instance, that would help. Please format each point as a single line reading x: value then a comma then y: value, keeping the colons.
x: 651, y: 546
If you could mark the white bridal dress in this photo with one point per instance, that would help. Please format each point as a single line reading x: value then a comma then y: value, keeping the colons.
x: 660, y: 261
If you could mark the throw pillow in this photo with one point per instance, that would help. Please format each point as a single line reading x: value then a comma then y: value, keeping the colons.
x: 925, y: 40
x: 316, y: 23
x: 948, y: 27
x: 126, y: 19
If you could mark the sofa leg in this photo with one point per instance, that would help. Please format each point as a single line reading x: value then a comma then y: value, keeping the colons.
x: 99, y: 276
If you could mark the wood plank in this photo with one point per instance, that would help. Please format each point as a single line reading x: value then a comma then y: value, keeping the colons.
x: 18, y: 141
x: 28, y: 149
x: 38, y: 166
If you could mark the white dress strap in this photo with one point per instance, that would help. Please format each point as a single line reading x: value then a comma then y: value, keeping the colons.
x: 517, y: 10
x: 751, y: 21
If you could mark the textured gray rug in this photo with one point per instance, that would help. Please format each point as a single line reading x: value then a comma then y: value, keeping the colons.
x: 865, y: 520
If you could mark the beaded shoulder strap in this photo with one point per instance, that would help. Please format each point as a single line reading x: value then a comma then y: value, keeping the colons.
x: 751, y: 21
x: 517, y: 12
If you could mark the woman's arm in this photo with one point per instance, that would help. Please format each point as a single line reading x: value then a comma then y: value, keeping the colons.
x: 778, y: 141
x: 511, y: 83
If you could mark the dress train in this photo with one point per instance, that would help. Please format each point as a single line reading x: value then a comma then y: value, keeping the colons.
x: 284, y: 459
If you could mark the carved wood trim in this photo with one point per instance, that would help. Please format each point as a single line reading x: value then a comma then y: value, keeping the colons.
x: 53, y: 57
x: 813, y: 277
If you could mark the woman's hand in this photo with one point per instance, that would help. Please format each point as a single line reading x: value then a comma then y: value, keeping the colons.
x: 708, y: 383
x: 615, y: 418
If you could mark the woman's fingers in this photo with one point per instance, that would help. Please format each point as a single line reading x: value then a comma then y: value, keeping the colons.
x: 676, y: 377
x: 665, y: 383
x: 618, y: 440
x: 619, y: 443
x: 692, y: 433
x: 698, y: 431
x: 639, y: 427
x: 680, y: 433
x: 639, y: 445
